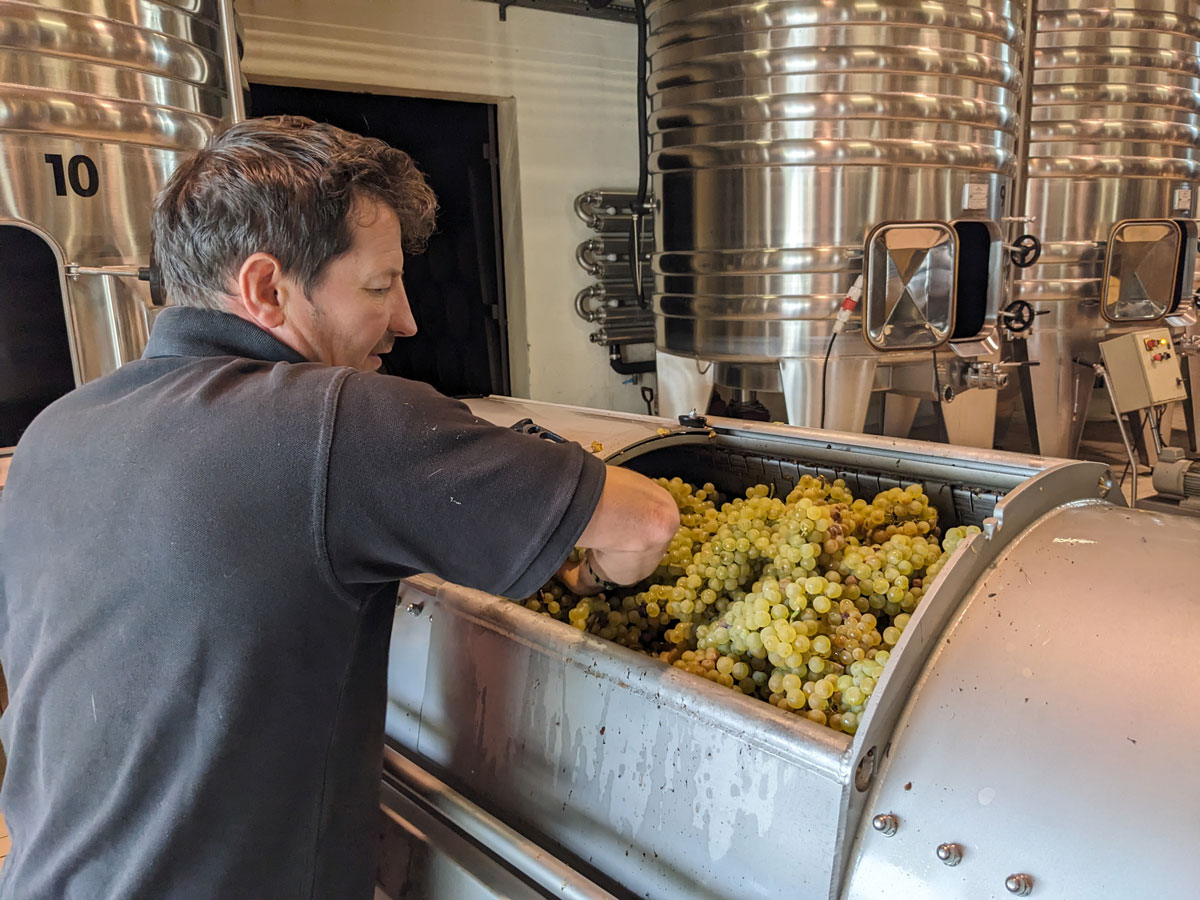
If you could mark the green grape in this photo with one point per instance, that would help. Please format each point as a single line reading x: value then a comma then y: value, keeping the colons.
x: 795, y: 600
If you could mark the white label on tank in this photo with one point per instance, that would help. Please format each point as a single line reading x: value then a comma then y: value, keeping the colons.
x: 976, y: 196
x: 1183, y: 198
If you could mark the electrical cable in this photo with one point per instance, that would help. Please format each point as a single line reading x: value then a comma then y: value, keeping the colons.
x: 839, y: 325
x: 824, y: 374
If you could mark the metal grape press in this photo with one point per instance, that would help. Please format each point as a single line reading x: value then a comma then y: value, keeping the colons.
x: 1022, y: 712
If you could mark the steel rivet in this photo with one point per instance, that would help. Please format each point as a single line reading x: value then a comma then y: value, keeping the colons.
x: 886, y: 824
x: 1019, y: 884
x: 416, y: 608
x: 950, y: 854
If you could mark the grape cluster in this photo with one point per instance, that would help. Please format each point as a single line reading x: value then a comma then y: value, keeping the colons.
x: 798, y: 601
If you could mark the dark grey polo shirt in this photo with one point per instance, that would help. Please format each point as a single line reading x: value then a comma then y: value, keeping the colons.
x: 199, y: 556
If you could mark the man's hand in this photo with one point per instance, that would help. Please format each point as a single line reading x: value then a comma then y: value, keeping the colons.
x: 576, y: 578
x: 627, y: 536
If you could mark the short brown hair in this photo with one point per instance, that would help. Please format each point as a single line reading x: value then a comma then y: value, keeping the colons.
x: 283, y: 185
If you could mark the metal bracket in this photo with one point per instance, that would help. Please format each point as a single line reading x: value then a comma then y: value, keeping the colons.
x: 141, y: 273
x: 528, y: 426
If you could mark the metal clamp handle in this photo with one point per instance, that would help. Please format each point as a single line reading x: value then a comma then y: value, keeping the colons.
x: 528, y: 426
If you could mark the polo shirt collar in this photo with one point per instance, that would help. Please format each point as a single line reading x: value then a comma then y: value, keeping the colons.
x: 191, y: 331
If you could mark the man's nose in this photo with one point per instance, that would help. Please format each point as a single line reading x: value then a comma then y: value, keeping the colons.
x: 402, y: 322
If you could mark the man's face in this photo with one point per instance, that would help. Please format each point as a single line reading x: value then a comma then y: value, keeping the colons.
x: 359, y: 306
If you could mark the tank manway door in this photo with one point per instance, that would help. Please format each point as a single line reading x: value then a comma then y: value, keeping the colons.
x: 909, y: 292
x: 1148, y: 269
x: 979, y: 288
x: 35, y: 345
x: 929, y: 283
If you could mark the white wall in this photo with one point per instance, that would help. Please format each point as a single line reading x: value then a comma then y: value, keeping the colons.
x: 566, y: 87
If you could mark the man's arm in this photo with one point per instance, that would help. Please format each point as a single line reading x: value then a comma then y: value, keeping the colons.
x: 627, y: 535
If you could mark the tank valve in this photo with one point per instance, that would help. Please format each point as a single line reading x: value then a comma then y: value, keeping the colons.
x: 986, y: 375
x: 1024, y: 251
x: 1018, y: 316
x: 950, y: 854
x: 1019, y: 884
x: 886, y: 824
x: 961, y: 375
x: 693, y: 420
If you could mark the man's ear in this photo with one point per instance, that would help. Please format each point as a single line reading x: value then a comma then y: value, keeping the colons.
x: 261, y: 290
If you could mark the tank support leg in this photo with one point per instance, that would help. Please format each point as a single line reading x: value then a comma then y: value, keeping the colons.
x: 1061, y: 386
x: 971, y: 418
x: 684, y: 384
x: 847, y: 382
x: 898, y: 414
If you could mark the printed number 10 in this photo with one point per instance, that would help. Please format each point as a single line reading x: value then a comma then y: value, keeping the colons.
x: 80, y: 171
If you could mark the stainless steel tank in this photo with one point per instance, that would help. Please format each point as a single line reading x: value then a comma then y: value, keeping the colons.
x: 1015, y: 729
x: 99, y: 101
x: 1114, y: 135
x: 781, y: 134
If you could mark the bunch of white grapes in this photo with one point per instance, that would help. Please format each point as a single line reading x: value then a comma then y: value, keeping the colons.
x: 798, y: 601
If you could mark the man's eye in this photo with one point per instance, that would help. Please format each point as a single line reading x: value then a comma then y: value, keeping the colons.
x: 382, y: 290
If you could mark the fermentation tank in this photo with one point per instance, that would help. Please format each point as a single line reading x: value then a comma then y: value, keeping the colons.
x: 1114, y: 136
x: 1037, y: 707
x: 99, y: 101
x: 782, y: 134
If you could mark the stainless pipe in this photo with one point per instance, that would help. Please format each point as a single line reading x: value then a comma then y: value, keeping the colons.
x: 233, y: 67
x: 585, y: 255
x: 1133, y: 461
x: 619, y: 336
x: 73, y: 271
x: 113, y: 302
x: 626, y: 316
x: 610, y: 224
x: 593, y: 292
x: 590, y: 204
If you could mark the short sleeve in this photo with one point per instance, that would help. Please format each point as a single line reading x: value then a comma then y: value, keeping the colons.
x: 417, y: 483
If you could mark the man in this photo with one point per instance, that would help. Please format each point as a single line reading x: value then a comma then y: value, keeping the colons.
x: 200, y: 551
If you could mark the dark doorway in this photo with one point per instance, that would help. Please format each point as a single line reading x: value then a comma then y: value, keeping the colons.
x: 456, y: 287
x: 35, y: 351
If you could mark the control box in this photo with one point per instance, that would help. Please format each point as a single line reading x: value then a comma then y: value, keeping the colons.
x: 1143, y: 369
